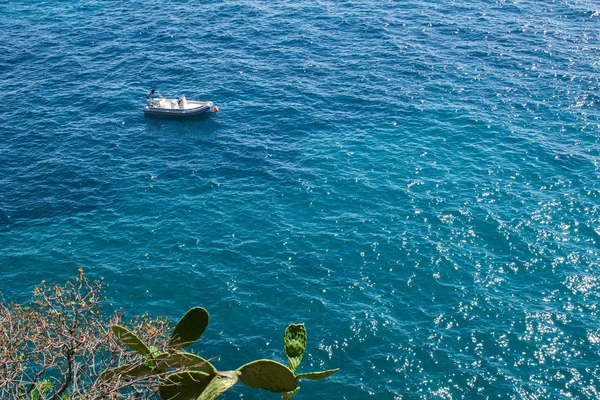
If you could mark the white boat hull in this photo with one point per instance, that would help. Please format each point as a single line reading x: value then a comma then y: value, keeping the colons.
x: 174, y: 108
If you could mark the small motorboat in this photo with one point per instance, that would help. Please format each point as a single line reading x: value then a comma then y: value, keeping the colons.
x: 158, y: 105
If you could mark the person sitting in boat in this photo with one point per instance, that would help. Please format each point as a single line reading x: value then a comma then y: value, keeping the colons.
x: 154, y: 102
x: 182, y: 102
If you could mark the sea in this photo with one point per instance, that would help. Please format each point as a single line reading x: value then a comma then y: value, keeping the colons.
x: 415, y: 181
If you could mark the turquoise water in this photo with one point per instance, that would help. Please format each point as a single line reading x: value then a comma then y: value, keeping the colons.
x: 416, y: 182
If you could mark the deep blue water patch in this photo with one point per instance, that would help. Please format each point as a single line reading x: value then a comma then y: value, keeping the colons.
x: 417, y: 182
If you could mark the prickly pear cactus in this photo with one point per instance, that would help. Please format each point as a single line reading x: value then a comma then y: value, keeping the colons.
x: 268, y: 375
x: 184, y: 360
x: 290, y: 395
x: 197, y: 378
x: 189, y: 328
x: 184, y: 385
x: 130, y: 340
x: 219, y: 384
x: 315, y: 376
x: 125, y: 372
x: 294, y: 343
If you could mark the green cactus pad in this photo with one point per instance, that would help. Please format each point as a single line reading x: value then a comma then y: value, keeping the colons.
x: 268, y: 375
x: 130, y: 340
x: 294, y: 343
x: 154, y: 361
x: 218, y: 385
x: 315, y: 376
x: 290, y: 395
x: 182, y: 359
x: 189, y: 328
x: 184, y: 385
x: 125, y: 372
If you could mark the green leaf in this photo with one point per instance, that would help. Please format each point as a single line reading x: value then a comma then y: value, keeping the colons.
x: 289, y: 395
x: 182, y: 359
x: 125, y: 372
x: 218, y: 385
x: 189, y: 328
x: 315, y: 376
x: 268, y: 375
x: 183, y: 385
x: 130, y: 340
x: 294, y: 344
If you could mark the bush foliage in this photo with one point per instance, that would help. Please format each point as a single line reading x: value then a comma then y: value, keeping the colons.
x: 56, y: 346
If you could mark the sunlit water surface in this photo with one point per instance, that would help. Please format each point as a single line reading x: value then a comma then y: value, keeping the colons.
x: 417, y: 182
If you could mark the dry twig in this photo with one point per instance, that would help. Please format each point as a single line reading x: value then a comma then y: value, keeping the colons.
x: 56, y: 346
